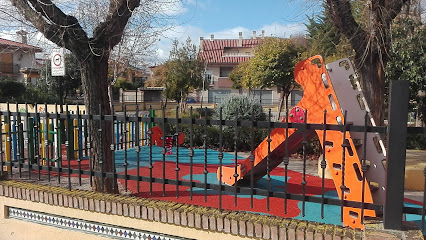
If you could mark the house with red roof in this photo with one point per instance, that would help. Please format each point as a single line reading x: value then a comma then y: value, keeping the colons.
x: 18, y: 61
x: 221, y: 56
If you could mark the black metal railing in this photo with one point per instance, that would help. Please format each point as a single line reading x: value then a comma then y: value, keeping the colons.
x: 33, y: 146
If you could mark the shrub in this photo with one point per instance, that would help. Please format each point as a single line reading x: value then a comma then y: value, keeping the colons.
x: 246, y: 106
x: 416, y: 141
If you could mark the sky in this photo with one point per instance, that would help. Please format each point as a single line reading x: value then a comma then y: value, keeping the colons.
x: 226, y: 18
x: 223, y: 18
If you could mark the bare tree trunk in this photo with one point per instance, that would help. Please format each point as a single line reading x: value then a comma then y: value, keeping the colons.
x: 420, y: 121
x: 371, y: 45
x: 94, y: 71
x: 373, y: 86
x: 281, y: 104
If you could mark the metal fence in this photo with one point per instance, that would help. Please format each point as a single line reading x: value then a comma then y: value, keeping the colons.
x: 33, y: 146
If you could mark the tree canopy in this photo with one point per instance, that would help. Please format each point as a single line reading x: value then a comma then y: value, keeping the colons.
x: 408, y: 60
x: 272, y: 65
x: 183, y: 73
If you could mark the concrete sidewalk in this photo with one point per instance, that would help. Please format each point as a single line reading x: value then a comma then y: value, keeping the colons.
x: 414, y: 174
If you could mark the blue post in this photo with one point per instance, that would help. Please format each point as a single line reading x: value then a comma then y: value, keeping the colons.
x: 132, y: 133
x: 117, y: 135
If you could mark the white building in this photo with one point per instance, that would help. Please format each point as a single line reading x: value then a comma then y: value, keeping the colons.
x: 18, y: 62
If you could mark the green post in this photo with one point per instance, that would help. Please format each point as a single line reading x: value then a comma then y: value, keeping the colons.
x: 153, y: 115
x: 31, y: 142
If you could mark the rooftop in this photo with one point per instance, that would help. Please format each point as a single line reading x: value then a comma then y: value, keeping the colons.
x: 13, y: 44
x: 213, y: 50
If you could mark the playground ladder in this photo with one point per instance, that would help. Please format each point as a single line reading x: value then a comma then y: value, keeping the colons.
x: 333, y: 88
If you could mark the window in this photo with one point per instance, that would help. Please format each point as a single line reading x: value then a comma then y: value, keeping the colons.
x: 225, y: 71
x: 208, y: 77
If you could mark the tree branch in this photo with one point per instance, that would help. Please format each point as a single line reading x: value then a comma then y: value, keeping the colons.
x: 37, y: 20
x: 109, y: 33
x: 62, y: 29
x: 393, y: 7
x: 341, y: 13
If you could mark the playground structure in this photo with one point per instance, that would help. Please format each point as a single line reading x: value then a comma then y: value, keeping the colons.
x: 331, y: 95
x: 41, y: 136
x: 357, y: 166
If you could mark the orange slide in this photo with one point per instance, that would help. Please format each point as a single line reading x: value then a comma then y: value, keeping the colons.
x: 318, y: 95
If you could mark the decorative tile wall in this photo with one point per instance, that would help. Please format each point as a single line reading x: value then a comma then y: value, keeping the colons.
x: 85, y: 226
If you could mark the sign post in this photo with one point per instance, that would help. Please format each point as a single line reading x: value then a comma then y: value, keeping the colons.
x: 58, y: 62
x: 58, y: 70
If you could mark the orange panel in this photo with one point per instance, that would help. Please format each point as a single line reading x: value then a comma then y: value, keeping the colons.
x: 317, y: 97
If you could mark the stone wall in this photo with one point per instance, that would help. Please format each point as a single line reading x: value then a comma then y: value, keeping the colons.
x: 146, y: 216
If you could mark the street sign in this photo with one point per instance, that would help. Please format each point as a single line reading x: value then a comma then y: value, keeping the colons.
x: 58, y: 62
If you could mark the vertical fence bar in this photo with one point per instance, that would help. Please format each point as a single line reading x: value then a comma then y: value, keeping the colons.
x: 67, y: 142
x: 46, y: 141
x: 101, y: 146
x: 323, y: 163
x: 86, y: 135
x: 177, y: 152
x: 205, y: 172
x: 364, y: 166
x: 220, y: 156
x: 9, y: 139
x: 121, y: 131
x: 19, y: 130
x: 77, y: 147
x: 235, y: 157
x: 89, y: 123
x: 395, y: 157
x: 163, y: 123
x: 138, y: 148
x: 112, y: 147
x: 125, y: 147
x: 252, y: 158
x: 191, y: 151
x: 345, y: 144
x: 151, y: 121
x: 268, y: 160
x: 304, y: 144
x: 37, y: 134
x: 286, y: 161
x: 58, y: 131
x: 28, y: 140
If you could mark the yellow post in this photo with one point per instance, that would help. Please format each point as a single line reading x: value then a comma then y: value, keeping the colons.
x: 128, y: 135
x: 43, y: 148
x: 75, y: 139
x: 143, y: 133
